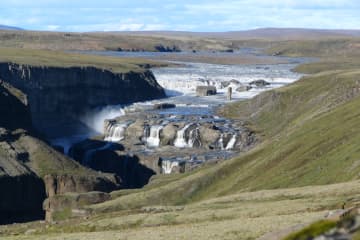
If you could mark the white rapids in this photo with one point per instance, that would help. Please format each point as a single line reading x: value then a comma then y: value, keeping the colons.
x: 154, y: 139
x: 184, y: 80
x: 116, y: 132
x: 180, y: 140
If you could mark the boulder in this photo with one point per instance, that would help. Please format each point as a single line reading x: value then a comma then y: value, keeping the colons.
x: 202, y: 91
x: 164, y: 106
x: 243, y: 88
x: 209, y: 134
x: 168, y: 134
x: 259, y: 83
x: 135, y: 131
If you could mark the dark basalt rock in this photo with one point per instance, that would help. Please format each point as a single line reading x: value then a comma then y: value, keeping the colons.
x: 62, y: 95
x: 162, y: 48
x: 21, y: 198
x: 259, y: 83
x: 164, y: 106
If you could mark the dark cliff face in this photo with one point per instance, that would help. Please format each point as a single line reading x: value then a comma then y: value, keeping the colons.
x: 65, y: 94
x: 42, y: 97
x: 22, y: 198
x: 14, y: 112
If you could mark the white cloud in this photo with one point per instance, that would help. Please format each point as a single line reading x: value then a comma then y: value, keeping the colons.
x: 187, y: 15
x: 52, y: 27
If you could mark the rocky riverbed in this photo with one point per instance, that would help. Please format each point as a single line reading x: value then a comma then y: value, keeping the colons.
x: 181, y: 132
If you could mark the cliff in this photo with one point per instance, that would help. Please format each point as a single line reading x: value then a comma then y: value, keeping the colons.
x: 33, y: 96
x: 65, y: 94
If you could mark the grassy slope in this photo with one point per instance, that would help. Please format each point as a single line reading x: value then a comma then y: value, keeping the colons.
x: 61, y: 59
x: 105, y: 41
x: 238, y: 216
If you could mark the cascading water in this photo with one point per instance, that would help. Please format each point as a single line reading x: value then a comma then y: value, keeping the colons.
x: 194, y: 138
x: 180, y: 140
x: 116, y: 132
x: 231, y: 143
x: 221, y: 142
x: 154, y: 136
x: 167, y: 166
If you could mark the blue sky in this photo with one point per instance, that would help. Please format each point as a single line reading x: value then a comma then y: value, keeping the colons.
x: 185, y: 15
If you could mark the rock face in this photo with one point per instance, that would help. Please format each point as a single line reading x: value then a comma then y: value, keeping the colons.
x: 59, y: 207
x: 14, y: 110
x: 57, y: 94
x: 202, y: 91
x: 30, y: 170
x: 61, y: 184
x: 22, y: 196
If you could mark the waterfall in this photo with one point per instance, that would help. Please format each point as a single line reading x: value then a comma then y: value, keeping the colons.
x: 194, y: 138
x: 154, y: 137
x: 221, y: 142
x: 180, y: 140
x: 116, y: 132
x: 168, y: 165
x: 231, y: 143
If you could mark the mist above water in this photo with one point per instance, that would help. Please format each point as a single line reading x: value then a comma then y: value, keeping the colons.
x: 95, y: 118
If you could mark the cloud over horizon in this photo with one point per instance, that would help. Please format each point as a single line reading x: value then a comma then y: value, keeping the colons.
x: 202, y: 15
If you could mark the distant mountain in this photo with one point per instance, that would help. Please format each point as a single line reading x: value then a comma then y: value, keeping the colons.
x: 261, y: 33
x: 290, y: 33
x: 4, y: 27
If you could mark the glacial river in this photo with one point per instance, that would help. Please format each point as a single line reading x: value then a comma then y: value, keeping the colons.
x: 180, y: 83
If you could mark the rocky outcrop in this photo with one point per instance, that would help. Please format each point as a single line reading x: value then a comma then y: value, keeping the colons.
x: 202, y: 91
x: 61, y: 184
x: 60, y: 207
x: 56, y: 94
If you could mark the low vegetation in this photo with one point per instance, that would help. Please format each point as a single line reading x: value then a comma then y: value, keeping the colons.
x: 62, y: 59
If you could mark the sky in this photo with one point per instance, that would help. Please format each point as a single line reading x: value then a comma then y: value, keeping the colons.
x: 180, y: 15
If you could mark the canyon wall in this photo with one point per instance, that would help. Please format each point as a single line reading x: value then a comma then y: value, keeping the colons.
x: 38, y: 97
x: 56, y: 94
